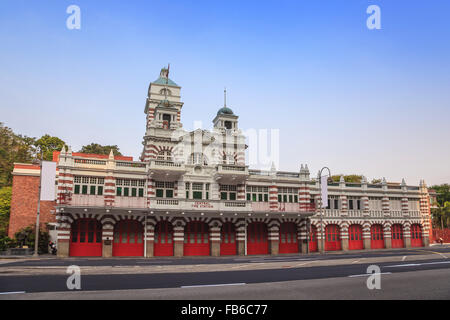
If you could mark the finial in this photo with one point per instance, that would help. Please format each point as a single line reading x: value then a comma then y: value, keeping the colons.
x: 225, y: 97
x: 403, y: 182
x: 111, y: 155
x: 341, y: 179
x: 69, y: 151
x: 63, y: 151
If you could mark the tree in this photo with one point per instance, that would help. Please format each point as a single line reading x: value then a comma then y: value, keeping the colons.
x: 47, y: 144
x: 441, y: 215
x: 443, y: 193
x: 13, y: 148
x: 96, y: 148
x: 5, y: 207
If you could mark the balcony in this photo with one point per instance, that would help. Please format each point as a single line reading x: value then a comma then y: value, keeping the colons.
x: 85, y: 200
x: 231, y: 174
x: 131, y: 166
x: 166, y: 170
x: 288, y: 207
x: 189, y: 205
x: 130, y: 202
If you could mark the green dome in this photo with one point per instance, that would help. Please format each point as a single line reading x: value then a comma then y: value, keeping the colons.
x: 225, y: 110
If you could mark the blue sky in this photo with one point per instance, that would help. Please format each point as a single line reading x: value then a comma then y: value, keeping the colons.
x: 372, y: 102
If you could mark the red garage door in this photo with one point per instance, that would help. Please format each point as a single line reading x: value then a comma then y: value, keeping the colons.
x: 163, y: 245
x: 288, y: 238
x: 257, y: 238
x: 228, y: 239
x: 86, y: 238
x: 416, y: 236
x: 355, y: 240
x: 397, y: 236
x: 313, y: 239
x: 196, y: 239
x: 332, y: 237
x: 376, y: 237
x: 128, y: 240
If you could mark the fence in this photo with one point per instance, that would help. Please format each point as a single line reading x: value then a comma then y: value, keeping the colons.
x: 441, y: 233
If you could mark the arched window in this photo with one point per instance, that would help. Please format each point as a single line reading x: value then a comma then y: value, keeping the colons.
x: 164, y: 155
x: 165, y: 91
x: 198, y: 159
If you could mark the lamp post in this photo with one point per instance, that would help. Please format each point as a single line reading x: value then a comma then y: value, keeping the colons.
x: 322, y: 249
x: 36, y: 240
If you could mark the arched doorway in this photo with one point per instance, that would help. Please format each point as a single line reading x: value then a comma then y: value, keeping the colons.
x: 228, y: 239
x: 313, y: 239
x: 397, y: 236
x: 355, y: 240
x: 128, y: 239
x: 163, y: 244
x: 332, y: 237
x: 416, y: 236
x: 376, y: 236
x: 257, y: 242
x: 86, y: 238
x: 196, y: 239
x: 288, y: 238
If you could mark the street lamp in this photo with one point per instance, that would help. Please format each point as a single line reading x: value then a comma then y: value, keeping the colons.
x: 36, y: 240
x: 322, y: 249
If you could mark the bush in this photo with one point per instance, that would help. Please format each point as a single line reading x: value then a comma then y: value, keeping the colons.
x: 6, y: 243
x: 26, y: 237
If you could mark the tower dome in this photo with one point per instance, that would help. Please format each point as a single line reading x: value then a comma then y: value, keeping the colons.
x: 225, y: 110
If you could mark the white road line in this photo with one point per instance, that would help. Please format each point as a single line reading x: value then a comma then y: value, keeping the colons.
x: 356, y: 261
x: 416, y: 264
x: 215, y: 285
x: 13, y: 292
x: 367, y: 274
x: 404, y: 258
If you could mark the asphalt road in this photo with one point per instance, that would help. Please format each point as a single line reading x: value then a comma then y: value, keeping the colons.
x: 83, y: 262
x: 404, y: 277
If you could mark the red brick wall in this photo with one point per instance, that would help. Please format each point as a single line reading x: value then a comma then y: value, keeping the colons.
x: 24, y: 205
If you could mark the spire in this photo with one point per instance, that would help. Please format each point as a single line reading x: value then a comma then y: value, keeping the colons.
x: 69, y: 151
x: 63, y: 151
x: 111, y: 155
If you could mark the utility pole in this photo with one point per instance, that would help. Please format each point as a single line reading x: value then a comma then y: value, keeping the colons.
x: 322, y: 249
x: 36, y: 240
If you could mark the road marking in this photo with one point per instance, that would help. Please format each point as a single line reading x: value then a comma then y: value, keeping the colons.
x: 404, y: 258
x: 356, y: 261
x: 13, y: 292
x: 442, y: 255
x: 416, y: 264
x: 215, y: 285
x: 367, y: 274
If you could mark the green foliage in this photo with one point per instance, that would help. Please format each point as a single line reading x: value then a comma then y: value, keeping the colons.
x: 5, y: 206
x: 375, y: 181
x: 443, y: 193
x: 26, y: 237
x: 351, y: 178
x: 96, y: 148
x: 47, y: 144
x: 6, y: 242
x: 441, y: 215
x: 13, y: 148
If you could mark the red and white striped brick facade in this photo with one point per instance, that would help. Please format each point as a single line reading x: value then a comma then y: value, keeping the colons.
x: 111, y: 208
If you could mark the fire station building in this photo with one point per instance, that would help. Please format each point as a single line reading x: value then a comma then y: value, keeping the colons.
x: 191, y: 193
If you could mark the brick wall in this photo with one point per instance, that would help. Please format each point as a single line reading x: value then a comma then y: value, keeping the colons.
x: 24, y: 204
